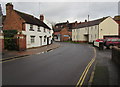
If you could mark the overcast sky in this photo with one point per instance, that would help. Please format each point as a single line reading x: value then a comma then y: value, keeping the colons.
x: 63, y: 11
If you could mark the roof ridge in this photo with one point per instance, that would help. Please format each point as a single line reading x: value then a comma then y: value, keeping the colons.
x: 24, y: 13
x: 31, y: 19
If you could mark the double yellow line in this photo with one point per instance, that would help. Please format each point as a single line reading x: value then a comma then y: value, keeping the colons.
x: 11, y: 58
x: 83, y: 76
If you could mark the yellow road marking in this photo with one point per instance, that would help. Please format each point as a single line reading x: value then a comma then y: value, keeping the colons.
x: 12, y: 59
x: 8, y: 58
x: 86, y: 73
x: 82, y: 78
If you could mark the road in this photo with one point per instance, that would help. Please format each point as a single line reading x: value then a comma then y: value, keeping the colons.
x: 62, y: 66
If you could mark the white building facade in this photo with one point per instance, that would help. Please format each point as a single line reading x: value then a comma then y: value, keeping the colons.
x: 37, y: 36
x: 97, y: 29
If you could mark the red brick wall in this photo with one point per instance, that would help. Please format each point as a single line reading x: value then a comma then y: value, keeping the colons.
x: 21, y: 41
x: 119, y: 26
x: 1, y: 43
x: 13, y: 22
x: 63, y: 32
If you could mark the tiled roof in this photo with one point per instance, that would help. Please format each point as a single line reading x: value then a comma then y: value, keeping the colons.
x: 117, y: 18
x: 57, y: 30
x: 64, y: 23
x: 31, y: 19
x: 91, y: 23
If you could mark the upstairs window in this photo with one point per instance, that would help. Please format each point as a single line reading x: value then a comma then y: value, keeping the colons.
x: 49, y: 31
x: 39, y: 29
x: 31, y: 27
x: 44, y: 30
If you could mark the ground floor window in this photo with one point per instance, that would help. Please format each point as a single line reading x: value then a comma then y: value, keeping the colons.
x: 32, y: 39
x: 44, y: 38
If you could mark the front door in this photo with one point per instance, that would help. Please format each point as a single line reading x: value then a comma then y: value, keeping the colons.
x: 47, y: 40
x: 40, y: 40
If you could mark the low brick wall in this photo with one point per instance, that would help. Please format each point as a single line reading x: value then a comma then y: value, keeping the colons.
x: 116, y: 55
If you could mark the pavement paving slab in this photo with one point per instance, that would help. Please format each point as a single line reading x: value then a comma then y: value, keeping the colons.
x: 106, y: 71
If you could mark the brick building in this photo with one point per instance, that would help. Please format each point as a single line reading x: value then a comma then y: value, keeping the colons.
x: 117, y: 19
x: 63, y: 31
x: 32, y: 32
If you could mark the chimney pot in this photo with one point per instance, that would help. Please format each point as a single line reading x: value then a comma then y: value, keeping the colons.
x: 85, y: 20
x: 41, y: 17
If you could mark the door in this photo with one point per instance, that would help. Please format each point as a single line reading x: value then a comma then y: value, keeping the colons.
x: 47, y: 40
x: 40, y: 40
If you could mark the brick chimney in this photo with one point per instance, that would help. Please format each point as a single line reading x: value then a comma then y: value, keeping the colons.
x: 41, y: 17
x: 9, y: 8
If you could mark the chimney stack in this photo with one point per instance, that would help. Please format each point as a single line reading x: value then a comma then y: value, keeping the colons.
x: 9, y: 8
x: 41, y: 17
x: 85, y: 20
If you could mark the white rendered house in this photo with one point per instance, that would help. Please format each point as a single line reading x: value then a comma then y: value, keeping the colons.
x: 96, y: 29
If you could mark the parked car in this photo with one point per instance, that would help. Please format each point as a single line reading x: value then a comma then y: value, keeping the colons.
x: 99, y: 40
x: 110, y: 42
x: 98, y: 43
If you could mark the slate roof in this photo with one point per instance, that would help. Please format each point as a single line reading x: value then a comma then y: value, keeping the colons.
x: 31, y: 19
x: 91, y: 23
x: 57, y: 30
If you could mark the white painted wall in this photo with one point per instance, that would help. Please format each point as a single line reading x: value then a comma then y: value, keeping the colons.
x: 108, y: 27
x: 37, y: 35
x: 93, y: 33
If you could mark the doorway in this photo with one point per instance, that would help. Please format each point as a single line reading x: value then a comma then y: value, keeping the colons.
x: 40, y: 40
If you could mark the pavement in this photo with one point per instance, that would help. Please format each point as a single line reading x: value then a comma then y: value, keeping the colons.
x: 10, y: 54
x: 106, y: 72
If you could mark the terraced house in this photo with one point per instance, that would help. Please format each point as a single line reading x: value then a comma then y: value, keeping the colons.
x: 32, y: 32
x: 96, y: 29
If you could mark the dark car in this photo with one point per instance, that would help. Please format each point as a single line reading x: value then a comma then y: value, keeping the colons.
x: 110, y: 42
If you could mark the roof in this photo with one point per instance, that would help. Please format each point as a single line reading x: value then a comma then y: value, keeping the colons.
x: 91, y: 23
x: 117, y: 18
x: 57, y: 30
x: 64, y: 23
x: 31, y: 19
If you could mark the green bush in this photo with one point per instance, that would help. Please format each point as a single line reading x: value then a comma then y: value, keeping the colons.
x: 9, y: 40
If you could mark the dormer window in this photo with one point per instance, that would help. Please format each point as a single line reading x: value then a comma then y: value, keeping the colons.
x: 39, y: 29
x: 31, y: 27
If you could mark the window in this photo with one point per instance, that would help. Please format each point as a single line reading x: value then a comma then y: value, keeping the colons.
x: 96, y: 27
x: 31, y: 27
x: 49, y: 31
x: 44, y: 38
x: 95, y: 35
x: 91, y: 27
x: 44, y: 30
x: 32, y: 39
x: 39, y: 29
